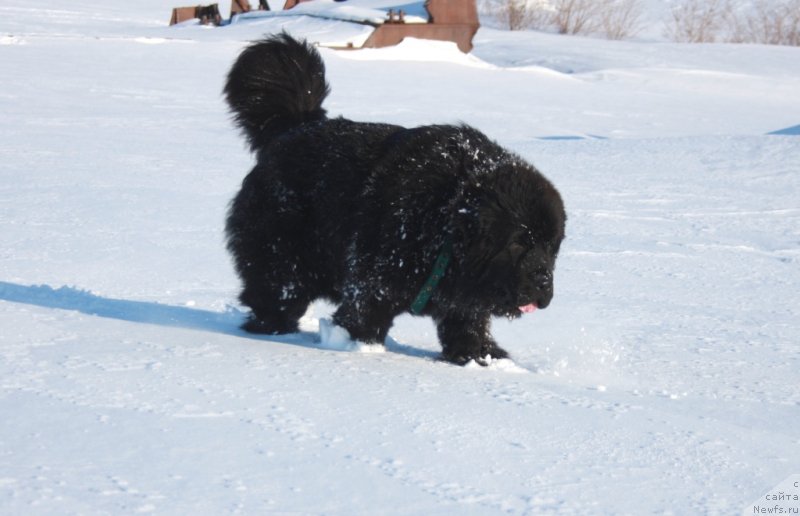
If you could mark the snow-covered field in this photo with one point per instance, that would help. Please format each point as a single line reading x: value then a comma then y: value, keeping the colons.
x: 664, y: 378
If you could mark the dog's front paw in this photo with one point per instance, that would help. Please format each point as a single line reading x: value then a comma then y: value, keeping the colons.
x: 457, y: 358
x: 483, y: 357
x: 495, y: 352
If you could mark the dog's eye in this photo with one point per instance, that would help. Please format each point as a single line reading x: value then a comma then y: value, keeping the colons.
x: 517, y: 252
x: 531, y: 238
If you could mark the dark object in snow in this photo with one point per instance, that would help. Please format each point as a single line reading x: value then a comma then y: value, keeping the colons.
x: 359, y: 213
x: 205, y: 13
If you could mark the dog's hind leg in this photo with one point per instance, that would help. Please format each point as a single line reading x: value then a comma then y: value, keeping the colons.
x: 276, y: 286
x: 266, y: 239
x: 466, y: 338
x: 274, y: 311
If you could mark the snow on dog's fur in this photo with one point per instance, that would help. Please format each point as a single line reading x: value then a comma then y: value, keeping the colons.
x: 358, y: 213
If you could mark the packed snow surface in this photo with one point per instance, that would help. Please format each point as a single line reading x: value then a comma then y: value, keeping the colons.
x: 664, y: 377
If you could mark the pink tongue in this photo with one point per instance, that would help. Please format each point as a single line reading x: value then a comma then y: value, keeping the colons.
x: 528, y: 308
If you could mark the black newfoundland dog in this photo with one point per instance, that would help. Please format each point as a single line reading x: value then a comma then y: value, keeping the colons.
x: 379, y: 219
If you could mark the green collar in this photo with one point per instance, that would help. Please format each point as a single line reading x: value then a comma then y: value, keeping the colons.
x: 439, y: 267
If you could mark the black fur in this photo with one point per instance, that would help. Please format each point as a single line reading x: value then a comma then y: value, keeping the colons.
x: 357, y: 213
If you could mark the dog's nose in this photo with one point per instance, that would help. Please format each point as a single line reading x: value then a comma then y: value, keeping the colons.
x: 544, y: 286
x: 544, y: 300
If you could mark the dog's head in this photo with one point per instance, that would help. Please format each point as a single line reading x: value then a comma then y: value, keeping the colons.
x: 510, y: 225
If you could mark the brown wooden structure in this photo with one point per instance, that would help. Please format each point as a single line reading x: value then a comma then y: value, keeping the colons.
x: 449, y: 20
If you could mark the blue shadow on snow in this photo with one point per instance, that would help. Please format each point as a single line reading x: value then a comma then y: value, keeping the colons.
x: 789, y: 131
x: 225, y: 323
x: 571, y: 137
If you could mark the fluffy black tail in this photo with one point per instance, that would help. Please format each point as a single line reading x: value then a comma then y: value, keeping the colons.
x: 276, y: 84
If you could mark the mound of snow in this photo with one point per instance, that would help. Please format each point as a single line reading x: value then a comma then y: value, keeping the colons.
x: 415, y: 49
x: 336, y: 338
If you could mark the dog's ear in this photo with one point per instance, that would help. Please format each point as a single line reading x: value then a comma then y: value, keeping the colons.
x: 467, y: 212
x: 479, y: 228
x: 464, y: 218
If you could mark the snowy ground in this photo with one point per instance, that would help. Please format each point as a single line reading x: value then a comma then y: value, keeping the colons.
x: 664, y: 378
